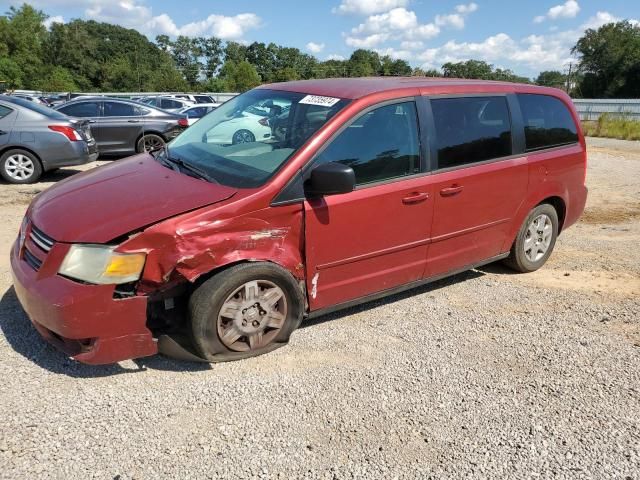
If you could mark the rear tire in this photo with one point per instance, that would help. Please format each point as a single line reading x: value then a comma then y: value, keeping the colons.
x: 19, y: 166
x: 244, y: 311
x: 149, y: 143
x: 535, y: 241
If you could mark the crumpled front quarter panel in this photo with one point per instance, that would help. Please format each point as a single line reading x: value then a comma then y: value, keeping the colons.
x: 195, y: 243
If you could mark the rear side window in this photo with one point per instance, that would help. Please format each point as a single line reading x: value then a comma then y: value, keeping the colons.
x: 381, y: 144
x: 117, y: 109
x: 471, y: 129
x: 168, y: 103
x: 84, y: 109
x: 197, y: 112
x: 4, y: 111
x: 203, y: 99
x: 547, y: 122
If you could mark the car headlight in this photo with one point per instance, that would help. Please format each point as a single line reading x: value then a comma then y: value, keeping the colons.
x: 101, y: 265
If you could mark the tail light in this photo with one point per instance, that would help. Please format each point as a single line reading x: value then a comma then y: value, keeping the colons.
x: 69, y: 132
x: 183, y: 122
x: 264, y: 121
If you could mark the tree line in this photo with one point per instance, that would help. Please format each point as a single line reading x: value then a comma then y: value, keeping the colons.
x: 84, y: 55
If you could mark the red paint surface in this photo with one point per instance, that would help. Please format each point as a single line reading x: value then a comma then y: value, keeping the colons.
x: 342, y: 247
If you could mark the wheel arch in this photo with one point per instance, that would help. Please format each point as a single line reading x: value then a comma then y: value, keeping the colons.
x: 5, y: 149
x: 148, y: 132
x: 554, y: 194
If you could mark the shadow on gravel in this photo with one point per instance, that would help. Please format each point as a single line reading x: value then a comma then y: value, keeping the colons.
x: 25, y: 340
x: 429, y: 287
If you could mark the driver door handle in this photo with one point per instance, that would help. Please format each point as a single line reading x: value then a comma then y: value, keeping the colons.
x: 133, y: 121
x: 452, y: 190
x: 415, y: 197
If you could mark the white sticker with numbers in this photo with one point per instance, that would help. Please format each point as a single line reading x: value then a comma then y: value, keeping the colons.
x: 319, y: 100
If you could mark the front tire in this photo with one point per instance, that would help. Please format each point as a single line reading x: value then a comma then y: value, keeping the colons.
x: 243, y: 136
x: 245, y: 311
x: 535, y: 241
x: 20, y: 167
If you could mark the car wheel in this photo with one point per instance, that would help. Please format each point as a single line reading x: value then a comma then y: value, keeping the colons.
x: 243, y: 136
x: 20, y: 166
x: 150, y: 143
x: 535, y: 240
x: 245, y: 311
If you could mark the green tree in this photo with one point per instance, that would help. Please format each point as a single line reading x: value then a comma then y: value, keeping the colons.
x: 57, y: 79
x: 22, y: 38
x: 364, y: 63
x: 551, y: 78
x: 480, y: 70
x: 609, y: 61
x: 239, y: 77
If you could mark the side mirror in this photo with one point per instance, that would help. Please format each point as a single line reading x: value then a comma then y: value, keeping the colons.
x: 331, y: 179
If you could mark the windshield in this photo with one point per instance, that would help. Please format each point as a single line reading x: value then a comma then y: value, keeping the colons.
x: 244, y: 141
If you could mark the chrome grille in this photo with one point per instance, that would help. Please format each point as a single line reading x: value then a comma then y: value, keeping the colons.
x: 40, y: 239
x: 32, y: 260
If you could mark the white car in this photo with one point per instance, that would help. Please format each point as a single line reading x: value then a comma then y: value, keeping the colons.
x: 196, y: 112
x: 245, y: 127
x: 193, y: 98
x: 167, y: 103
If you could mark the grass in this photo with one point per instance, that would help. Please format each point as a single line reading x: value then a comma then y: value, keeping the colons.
x: 612, y: 127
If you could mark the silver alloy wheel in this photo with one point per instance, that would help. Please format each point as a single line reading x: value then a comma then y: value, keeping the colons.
x: 243, y: 136
x: 19, y: 166
x: 152, y: 143
x: 252, y: 316
x: 538, y: 238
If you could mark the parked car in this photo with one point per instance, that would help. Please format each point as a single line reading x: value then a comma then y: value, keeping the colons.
x: 193, y: 98
x: 31, y: 98
x: 374, y: 186
x: 251, y: 123
x: 35, y: 139
x: 167, y: 103
x: 196, y: 112
x: 123, y: 127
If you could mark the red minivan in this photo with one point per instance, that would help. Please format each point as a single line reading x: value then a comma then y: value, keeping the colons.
x: 326, y: 193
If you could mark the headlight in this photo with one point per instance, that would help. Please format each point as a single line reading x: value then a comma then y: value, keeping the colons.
x: 100, y: 264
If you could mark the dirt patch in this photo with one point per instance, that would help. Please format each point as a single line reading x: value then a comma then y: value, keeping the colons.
x: 603, y: 214
x: 611, y: 285
x: 629, y: 155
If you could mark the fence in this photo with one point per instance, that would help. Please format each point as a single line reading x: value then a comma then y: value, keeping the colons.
x: 592, y: 109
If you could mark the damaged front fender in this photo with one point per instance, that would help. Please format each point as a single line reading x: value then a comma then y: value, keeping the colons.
x: 191, y: 245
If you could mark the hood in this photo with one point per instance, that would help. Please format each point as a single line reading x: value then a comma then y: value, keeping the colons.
x: 110, y: 201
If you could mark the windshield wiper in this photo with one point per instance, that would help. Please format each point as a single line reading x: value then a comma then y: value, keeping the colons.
x: 178, y: 162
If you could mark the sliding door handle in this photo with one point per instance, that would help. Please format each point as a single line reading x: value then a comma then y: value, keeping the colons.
x: 452, y: 190
x: 415, y: 197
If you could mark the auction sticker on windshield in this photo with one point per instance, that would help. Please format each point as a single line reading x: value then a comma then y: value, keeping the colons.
x: 319, y: 100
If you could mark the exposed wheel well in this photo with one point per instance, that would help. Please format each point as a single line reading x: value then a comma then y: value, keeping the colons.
x: 14, y: 147
x: 561, y: 209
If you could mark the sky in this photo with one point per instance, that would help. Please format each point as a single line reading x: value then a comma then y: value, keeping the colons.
x: 524, y: 36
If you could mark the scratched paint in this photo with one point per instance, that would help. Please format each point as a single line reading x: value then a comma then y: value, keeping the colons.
x: 314, y: 285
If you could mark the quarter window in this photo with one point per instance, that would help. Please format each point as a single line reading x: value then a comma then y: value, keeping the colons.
x: 547, y: 122
x: 381, y: 144
x: 4, y: 111
x: 470, y: 130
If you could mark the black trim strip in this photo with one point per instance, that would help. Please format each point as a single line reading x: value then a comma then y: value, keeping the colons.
x: 401, y: 288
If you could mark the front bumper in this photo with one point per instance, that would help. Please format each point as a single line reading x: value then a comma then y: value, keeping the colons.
x: 84, y: 321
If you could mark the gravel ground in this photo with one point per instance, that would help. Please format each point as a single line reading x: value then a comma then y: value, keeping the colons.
x: 486, y: 374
